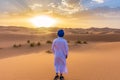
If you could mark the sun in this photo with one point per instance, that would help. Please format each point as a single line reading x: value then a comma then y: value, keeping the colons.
x: 43, y: 21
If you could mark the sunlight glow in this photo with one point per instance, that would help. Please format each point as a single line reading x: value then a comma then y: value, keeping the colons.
x: 43, y: 21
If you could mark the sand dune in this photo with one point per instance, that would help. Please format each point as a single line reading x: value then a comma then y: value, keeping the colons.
x: 97, y: 60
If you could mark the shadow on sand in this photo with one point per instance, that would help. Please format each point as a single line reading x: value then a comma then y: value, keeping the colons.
x: 24, y: 50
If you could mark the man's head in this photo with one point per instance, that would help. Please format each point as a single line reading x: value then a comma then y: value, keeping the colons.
x: 60, y: 33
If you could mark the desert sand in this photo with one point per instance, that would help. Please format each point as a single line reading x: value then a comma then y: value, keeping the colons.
x: 97, y: 60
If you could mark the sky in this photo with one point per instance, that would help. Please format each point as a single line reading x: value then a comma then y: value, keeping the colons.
x: 71, y: 13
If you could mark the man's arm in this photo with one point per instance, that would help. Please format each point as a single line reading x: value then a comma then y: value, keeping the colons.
x: 66, y: 49
x: 53, y: 46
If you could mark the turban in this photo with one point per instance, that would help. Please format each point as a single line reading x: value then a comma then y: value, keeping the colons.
x: 60, y: 33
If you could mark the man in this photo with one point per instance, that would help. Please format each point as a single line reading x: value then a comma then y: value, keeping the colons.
x: 60, y: 50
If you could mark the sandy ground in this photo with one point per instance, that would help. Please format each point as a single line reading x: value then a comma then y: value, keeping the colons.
x: 94, y: 61
x: 97, y: 60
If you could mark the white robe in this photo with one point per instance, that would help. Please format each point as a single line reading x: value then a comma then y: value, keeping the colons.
x: 60, y: 49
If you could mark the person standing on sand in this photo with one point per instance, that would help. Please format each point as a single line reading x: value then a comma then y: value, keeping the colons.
x: 60, y: 50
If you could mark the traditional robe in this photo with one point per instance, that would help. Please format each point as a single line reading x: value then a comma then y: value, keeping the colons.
x: 60, y: 49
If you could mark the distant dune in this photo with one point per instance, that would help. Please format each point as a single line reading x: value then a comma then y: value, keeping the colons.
x: 92, y: 34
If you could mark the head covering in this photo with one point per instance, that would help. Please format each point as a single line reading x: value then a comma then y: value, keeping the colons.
x: 60, y: 33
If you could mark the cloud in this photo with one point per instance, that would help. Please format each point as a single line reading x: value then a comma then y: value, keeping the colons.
x: 35, y: 6
x: 13, y: 6
x: 98, y: 1
x: 71, y: 3
x: 56, y: 6
x: 53, y: 5
x: 70, y: 6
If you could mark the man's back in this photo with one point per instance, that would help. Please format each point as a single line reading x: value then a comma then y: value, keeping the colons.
x: 60, y: 50
x: 60, y: 46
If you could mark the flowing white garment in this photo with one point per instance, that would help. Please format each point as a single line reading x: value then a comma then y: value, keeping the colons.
x: 60, y: 49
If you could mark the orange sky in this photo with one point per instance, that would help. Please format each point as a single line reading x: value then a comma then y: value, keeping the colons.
x: 69, y: 13
x: 62, y: 21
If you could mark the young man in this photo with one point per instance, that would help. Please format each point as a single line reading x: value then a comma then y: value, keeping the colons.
x: 60, y: 50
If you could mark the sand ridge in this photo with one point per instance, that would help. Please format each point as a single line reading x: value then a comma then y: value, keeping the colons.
x: 97, y: 60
